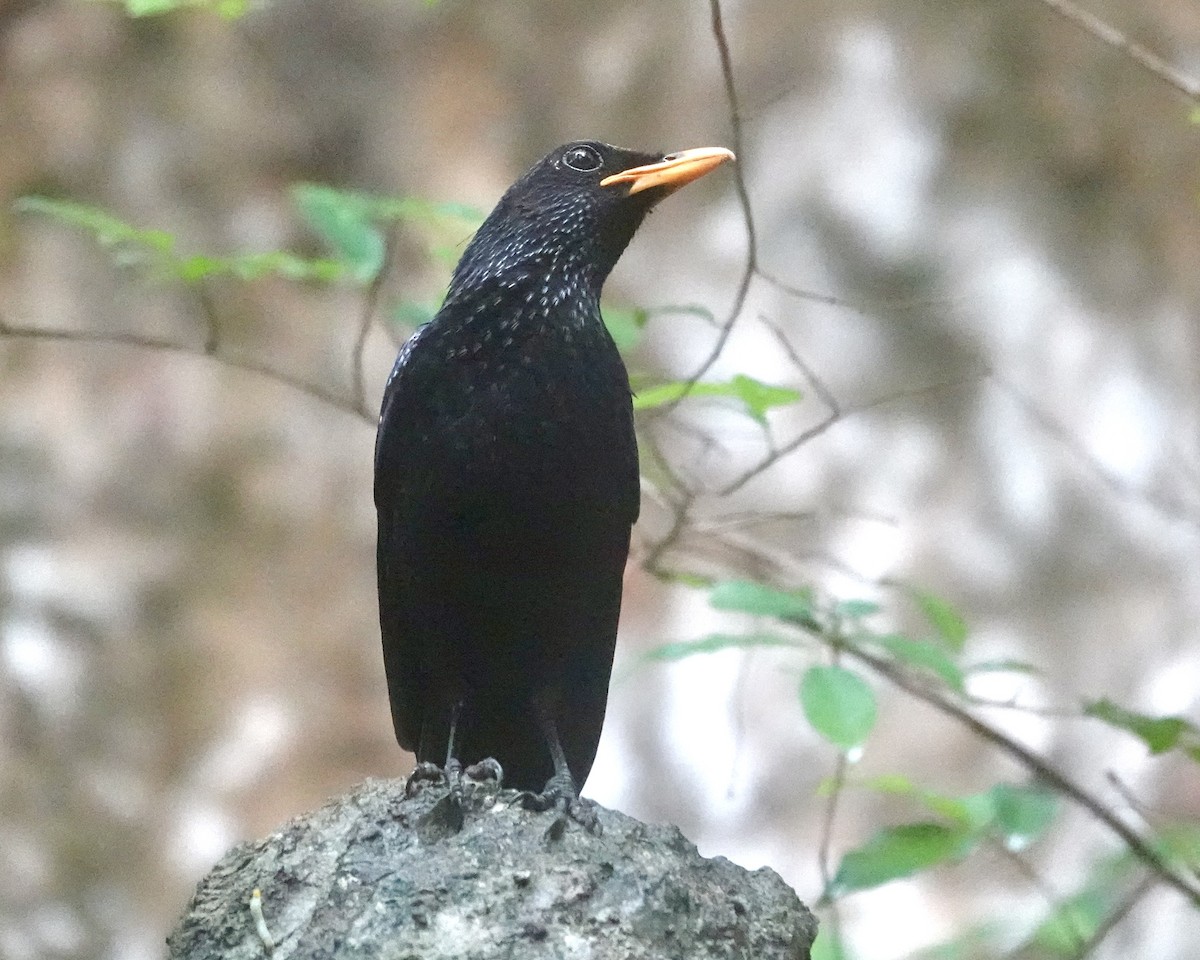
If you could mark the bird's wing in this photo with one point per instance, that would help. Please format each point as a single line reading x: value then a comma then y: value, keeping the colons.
x: 397, y: 447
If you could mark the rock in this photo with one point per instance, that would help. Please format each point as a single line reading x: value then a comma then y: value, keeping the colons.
x: 373, y: 874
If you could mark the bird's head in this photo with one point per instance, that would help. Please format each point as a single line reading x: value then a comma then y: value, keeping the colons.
x: 571, y: 215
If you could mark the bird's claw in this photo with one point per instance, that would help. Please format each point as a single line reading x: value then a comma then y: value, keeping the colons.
x: 487, y: 770
x: 422, y: 774
x: 566, y: 805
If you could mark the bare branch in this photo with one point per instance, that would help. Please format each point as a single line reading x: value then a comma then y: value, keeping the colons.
x: 370, y: 307
x: 1168, y: 507
x: 1107, y: 33
x: 817, y: 384
x: 774, y: 456
x: 1115, y: 916
x: 739, y: 180
x: 123, y: 339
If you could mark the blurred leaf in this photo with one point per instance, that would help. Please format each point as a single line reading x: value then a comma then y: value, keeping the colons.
x: 343, y: 219
x: 945, y: 620
x: 1181, y: 843
x: 923, y: 654
x: 155, y: 249
x: 254, y: 266
x: 1160, y: 734
x: 108, y: 230
x: 1071, y: 924
x: 747, y: 596
x: 856, y: 609
x: 971, y: 813
x: 897, y: 852
x: 827, y: 946
x: 715, y: 642
x: 1022, y: 814
x: 754, y: 395
x: 410, y: 314
x: 839, y: 704
x: 1018, y: 815
x: 625, y: 325
x: 1002, y: 666
x: 229, y: 9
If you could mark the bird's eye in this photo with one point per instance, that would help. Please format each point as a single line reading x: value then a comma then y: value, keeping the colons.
x: 583, y: 159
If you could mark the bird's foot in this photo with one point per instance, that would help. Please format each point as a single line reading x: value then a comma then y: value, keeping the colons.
x: 422, y: 774
x: 561, y: 796
x: 486, y: 771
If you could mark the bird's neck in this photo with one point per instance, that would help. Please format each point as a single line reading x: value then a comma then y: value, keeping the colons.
x: 547, y: 285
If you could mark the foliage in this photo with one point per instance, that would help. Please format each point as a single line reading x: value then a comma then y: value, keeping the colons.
x: 839, y: 703
x: 156, y: 250
x: 229, y: 9
x: 754, y: 396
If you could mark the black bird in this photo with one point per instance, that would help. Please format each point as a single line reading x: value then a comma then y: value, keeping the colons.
x: 506, y: 478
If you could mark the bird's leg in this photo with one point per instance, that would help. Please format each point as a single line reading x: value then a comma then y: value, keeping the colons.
x: 445, y: 817
x: 560, y: 793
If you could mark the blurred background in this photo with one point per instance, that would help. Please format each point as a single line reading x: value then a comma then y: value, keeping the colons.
x: 189, y: 649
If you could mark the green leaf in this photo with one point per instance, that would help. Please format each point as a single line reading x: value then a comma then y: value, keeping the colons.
x: 747, y: 596
x: 229, y: 9
x: 1002, y: 666
x: 410, y: 314
x: 1160, y: 734
x: 1071, y: 924
x: 970, y: 813
x: 715, y: 642
x: 922, y: 654
x: 155, y: 249
x: 108, y: 230
x: 755, y: 396
x: 1181, y: 843
x: 625, y: 325
x: 897, y: 852
x: 827, y: 946
x: 343, y: 219
x: 945, y: 620
x: 1022, y: 814
x: 839, y: 705
x: 855, y: 609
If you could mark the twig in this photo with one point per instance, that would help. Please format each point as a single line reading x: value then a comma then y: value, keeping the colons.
x: 739, y: 180
x: 1162, y: 504
x: 123, y: 339
x: 825, y: 846
x: 818, y: 385
x: 774, y: 456
x: 1107, y: 33
x: 1115, y: 916
x: 370, y: 307
x: 1039, y: 883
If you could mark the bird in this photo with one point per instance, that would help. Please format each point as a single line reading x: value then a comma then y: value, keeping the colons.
x: 506, y: 478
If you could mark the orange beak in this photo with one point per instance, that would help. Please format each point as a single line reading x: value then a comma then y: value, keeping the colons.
x: 673, y: 170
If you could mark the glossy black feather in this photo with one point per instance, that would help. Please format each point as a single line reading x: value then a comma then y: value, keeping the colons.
x: 506, y: 482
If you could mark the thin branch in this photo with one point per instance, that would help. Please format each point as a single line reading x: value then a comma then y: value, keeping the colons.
x: 1115, y: 916
x: 137, y: 340
x: 818, y: 385
x: 1169, y: 508
x: 1052, y: 897
x: 1107, y: 33
x: 825, y: 846
x: 365, y: 320
x: 774, y: 456
x: 739, y: 180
